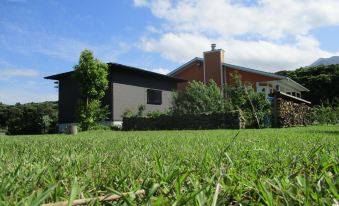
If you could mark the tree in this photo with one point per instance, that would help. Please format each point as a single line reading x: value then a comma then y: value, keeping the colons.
x: 199, y: 98
x: 322, y: 81
x: 31, y: 118
x: 92, y: 76
x: 255, y: 105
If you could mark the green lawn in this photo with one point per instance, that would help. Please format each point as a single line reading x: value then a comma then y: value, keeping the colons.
x: 271, y: 166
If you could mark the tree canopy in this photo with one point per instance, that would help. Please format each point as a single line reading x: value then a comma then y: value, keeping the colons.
x: 322, y: 81
x: 30, y: 118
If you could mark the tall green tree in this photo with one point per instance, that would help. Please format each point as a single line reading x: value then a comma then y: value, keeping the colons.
x: 92, y: 75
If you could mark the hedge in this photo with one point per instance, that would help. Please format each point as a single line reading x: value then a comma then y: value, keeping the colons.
x: 227, y: 120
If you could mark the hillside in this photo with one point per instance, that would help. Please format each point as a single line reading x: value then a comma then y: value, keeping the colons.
x: 323, y: 81
x: 326, y: 61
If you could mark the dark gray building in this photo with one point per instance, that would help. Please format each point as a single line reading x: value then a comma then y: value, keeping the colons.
x: 129, y: 87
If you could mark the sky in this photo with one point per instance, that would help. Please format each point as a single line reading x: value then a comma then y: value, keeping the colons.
x: 44, y: 37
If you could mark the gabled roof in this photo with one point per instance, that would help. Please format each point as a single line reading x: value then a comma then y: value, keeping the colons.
x: 197, y: 59
x: 121, y: 67
x: 182, y: 67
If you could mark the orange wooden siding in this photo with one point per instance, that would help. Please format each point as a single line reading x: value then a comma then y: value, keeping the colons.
x: 246, y: 77
x: 194, y: 71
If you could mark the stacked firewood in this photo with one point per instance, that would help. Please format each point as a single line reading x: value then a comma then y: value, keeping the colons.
x: 290, y: 113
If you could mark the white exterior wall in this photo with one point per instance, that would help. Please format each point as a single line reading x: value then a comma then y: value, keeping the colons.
x: 129, y: 97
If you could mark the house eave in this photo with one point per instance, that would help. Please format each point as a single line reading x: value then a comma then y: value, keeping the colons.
x: 59, y: 76
x: 182, y: 67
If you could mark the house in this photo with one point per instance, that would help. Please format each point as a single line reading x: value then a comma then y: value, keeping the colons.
x: 213, y: 66
x: 129, y: 87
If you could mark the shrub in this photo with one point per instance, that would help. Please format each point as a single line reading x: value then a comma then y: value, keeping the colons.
x: 156, y: 113
x: 325, y: 114
x: 198, y: 98
x: 225, y: 120
x: 255, y: 105
x: 141, y: 112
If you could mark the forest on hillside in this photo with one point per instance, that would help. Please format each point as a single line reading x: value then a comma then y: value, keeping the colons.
x: 322, y: 81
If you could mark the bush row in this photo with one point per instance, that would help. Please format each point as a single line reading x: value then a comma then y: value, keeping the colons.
x: 227, y: 120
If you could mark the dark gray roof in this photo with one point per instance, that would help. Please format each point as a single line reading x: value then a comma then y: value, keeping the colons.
x: 121, y: 67
x: 197, y: 59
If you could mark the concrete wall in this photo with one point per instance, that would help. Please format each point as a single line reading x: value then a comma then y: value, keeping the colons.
x: 130, y: 97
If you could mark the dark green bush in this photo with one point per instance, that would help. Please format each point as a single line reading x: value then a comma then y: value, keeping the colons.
x: 199, y: 98
x: 325, y: 114
x: 226, y: 120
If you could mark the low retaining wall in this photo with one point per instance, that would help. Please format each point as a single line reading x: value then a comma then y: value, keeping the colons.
x: 229, y: 120
x: 289, y: 111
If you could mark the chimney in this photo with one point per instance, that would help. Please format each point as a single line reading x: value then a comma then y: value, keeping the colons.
x: 213, y: 47
x: 213, y: 68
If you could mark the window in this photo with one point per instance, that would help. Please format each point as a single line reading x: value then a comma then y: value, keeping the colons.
x: 263, y: 90
x: 154, y: 96
x: 293, y: 93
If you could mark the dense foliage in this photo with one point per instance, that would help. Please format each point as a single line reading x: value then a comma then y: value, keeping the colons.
x: 201, y: 98
x: 198, y: 98
x: 293, y: 166
x: 326, y: 114
x: 255, y: 105
x: 92, y: 75
x: 221, y: 120
x: 322, y: 81
x: 31, y: 118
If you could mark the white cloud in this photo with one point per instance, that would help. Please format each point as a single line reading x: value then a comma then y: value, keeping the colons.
x: 160, y: 70
x: 153, y: 29
x: 252, y: 35
x: 269, y: 18
x: 256, y: 54
x: 10, y: 73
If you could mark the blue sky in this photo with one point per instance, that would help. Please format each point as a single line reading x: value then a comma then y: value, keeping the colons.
x: 44, y: 37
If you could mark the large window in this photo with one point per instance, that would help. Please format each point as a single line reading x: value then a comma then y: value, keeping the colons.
x: 154, y: 97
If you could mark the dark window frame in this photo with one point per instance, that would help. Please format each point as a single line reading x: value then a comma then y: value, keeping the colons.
x: 154, y: 96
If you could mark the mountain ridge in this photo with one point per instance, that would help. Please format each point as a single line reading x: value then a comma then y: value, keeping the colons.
x: 325, y: 61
